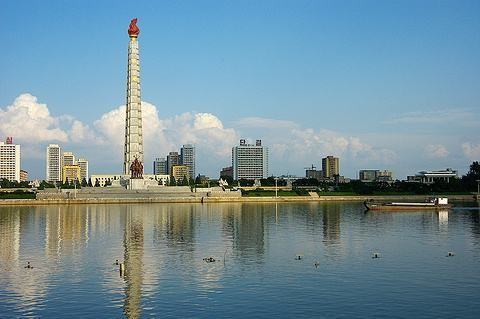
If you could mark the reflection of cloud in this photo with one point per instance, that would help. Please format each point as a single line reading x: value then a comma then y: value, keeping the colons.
x: 435, y: 117
x: 436, y: 151
x: 471, y: 151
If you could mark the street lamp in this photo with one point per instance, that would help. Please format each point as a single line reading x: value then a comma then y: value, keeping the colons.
x: 276, y: 187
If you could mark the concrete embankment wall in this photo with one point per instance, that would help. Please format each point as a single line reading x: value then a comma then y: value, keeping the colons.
x: 195, y: 199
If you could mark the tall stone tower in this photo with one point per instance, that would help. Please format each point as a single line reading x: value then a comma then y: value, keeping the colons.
x: 133, y: 120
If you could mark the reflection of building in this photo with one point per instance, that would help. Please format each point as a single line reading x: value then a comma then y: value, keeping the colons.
x: 83, y: 164
x: 71, y: 173
x: 250, y: 161
x: 180, y: 172
x: 331, y: 223
x: 160, y: 166
x: 330, y: 166
x: 54, y: 163
x: 10, y: 160
x: 187, y: 154
x: 429, y: 177
x: 249, y: 231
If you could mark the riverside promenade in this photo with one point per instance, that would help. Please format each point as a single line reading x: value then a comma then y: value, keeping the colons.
x: 184, y: 195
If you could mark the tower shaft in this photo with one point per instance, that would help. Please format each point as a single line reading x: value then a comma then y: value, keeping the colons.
x: 133, y: 120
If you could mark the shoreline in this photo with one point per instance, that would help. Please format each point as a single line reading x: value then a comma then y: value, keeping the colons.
x: 209, y: 200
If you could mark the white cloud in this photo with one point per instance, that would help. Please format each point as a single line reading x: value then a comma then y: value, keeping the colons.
x: 291, y: 146
x: 463, y: 116
x: 29, y: 121
x: 471, y: 151
x: 436, y: 151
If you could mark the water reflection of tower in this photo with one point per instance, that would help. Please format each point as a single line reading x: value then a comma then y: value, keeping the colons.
x: 133, y: 256
x: 331, y: 223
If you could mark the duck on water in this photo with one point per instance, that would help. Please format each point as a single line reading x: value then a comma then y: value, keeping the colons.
x: 431, y: 203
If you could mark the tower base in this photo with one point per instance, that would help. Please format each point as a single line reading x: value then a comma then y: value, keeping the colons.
x: 136, y: 183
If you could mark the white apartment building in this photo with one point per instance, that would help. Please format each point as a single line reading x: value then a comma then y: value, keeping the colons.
x: 54, y: 163
x: 10, y: 160
x: 68, y: 159
x: 83, y: 163
x: 250, y: 161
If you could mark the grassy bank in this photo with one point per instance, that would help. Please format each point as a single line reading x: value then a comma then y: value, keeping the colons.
x: 17, y: 195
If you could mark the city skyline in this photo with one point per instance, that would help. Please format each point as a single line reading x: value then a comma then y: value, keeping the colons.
x: 312, y: 80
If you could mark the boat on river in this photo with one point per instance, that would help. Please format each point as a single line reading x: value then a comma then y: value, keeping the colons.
x: 434, y: 203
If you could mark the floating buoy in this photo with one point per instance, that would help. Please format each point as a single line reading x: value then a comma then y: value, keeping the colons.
x: 209, y: 259
x: 450, y: 254
x: 28, y: 266
x: 316, y: 264
x: 376, y: 255
x: 299, y: 257
x: 116, y: 262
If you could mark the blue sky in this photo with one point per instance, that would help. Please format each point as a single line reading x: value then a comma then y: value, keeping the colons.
x: 382, y: 84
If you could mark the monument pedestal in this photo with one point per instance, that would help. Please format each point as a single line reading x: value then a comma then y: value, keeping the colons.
x: 136, y: 183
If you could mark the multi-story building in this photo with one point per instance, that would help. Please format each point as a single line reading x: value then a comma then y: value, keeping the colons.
x: 313, y: 173
x: 23, y: 176
x: 250, y: 161
x: 368, y: 175
x: 330, y: 167
x: 68, y: 158
x: 227, y: 172
x: 187, y: 155
x: 375, y: 175
x: 429, y: 177
x: 54, y: 164
x: 160, y: 166
x: 172, y: 159
x: 71, y: 173
x: 10, y: 160
x: 83, y: 164
x: 179, y: 172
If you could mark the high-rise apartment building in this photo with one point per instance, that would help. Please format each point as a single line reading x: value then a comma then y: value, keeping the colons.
x: 187, y: 155
x: 172, y: 159
x: 250, y: 161
x: 160, y: 166
x: 10, y: 160
x: 68, y: 158
x: 54, y: 163
x: 330, y: 166
x: 83, y: 164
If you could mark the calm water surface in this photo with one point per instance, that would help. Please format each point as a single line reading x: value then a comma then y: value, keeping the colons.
x: 73, y: 250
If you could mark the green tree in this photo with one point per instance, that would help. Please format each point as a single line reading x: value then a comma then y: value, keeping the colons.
x: 84, y: 182
x: 97, y: 183
x: 90, y: 182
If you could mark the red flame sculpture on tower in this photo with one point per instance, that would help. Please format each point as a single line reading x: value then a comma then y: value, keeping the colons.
x: 133, y: 30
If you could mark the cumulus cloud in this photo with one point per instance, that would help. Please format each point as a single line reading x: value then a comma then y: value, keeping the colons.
x: 436, y: 151
x: 163, y: 135
x: 27, y: 120
x: 291, y: 146
x: 471, y: 151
